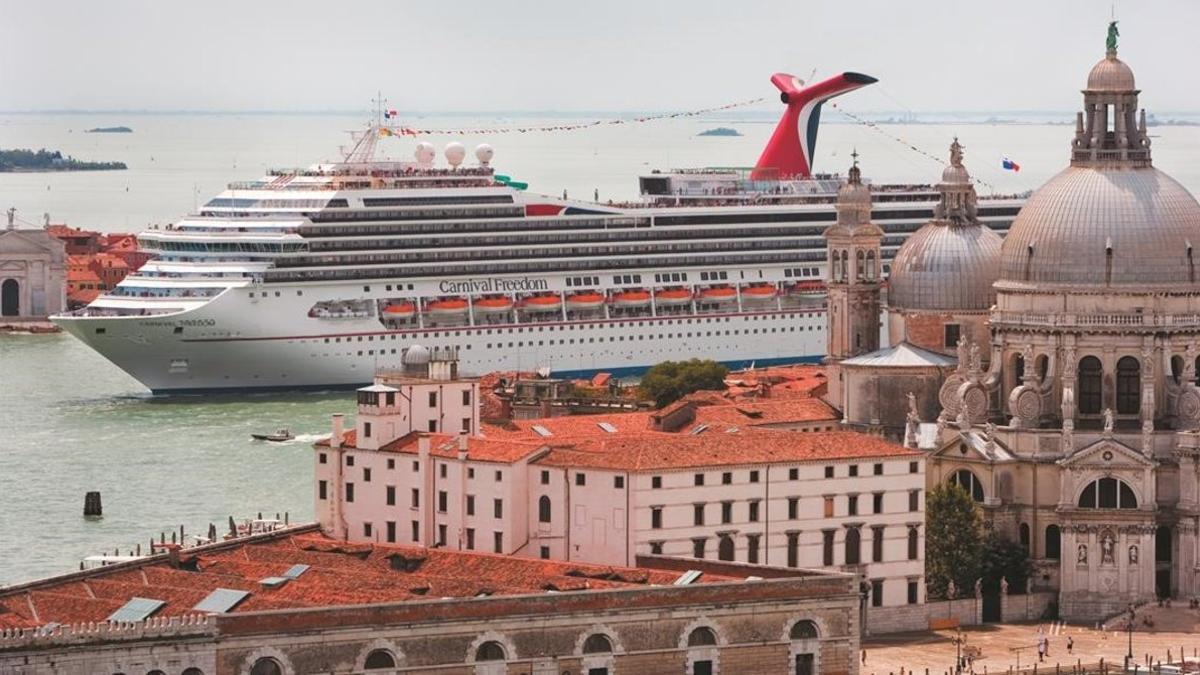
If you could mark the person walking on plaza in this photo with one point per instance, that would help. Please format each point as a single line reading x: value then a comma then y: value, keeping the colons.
x: 1070, y: 645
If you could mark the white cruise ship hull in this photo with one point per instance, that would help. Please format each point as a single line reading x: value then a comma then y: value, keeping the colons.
x: 234, y: 343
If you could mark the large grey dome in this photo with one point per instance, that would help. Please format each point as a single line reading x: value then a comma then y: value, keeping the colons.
x: 946, y: 267
x: 1064, y: 233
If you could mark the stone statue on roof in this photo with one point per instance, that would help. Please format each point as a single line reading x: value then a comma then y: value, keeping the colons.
x: 956, y: 153
x: 913, y: 414
x: 1113, y: 33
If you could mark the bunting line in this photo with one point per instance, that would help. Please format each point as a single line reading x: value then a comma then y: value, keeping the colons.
x: 414, y: 131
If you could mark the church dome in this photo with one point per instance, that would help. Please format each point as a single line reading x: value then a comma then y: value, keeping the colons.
x: 1110, y: 74
x: 1101, y: 226
x: 950, y: 264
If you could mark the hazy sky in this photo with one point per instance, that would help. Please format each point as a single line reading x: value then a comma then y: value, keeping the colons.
x: 563, y: 55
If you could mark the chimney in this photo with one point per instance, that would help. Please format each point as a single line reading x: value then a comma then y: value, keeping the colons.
x: 423, y: 447
x: 462, y: 447
x: 335, y: 440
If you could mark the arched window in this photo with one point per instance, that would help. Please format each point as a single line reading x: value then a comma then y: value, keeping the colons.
x: 845, y: 264
x: 543, y: 509
x: 702, y: 637
x: 1018, y: 368
x: 860, y: 271
x: 266, y: 666
x: 1090, y: 374
x: 914, y: 542
x: 1176, y: 368
x: 156, y: 671
x: 853, y: 546
x: 192, y: 671
x: 490, y: 651
x: 967, y: 481
x: 872, y: 273
x: 725, y: 548
x: 1053, y: 542
x: 1024, y: 534
x: 1129, y: 384
x: 1107, y: 493
x: 597, y: 643
x: 379, y: 659
x: 1043, y: 366
x: 804, y: 630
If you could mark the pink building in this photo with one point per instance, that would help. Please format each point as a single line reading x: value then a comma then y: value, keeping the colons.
x: 770, y: 482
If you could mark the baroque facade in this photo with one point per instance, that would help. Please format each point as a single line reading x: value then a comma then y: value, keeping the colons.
x: 32, y: 273
x: 1074, y: 421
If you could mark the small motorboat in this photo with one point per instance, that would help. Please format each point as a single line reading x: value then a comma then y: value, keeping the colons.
x: 277, y: 437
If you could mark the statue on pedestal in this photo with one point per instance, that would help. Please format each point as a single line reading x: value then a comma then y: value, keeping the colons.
x: 1109, y: 420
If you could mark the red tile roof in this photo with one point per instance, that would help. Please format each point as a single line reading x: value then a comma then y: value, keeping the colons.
x: 501, y: 450
x: 713, y: 447
x: 340, y: 573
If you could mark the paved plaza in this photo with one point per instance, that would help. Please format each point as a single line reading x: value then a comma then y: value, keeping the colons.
x: 1001, y: 647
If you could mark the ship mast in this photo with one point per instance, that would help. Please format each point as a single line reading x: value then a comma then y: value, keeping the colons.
x: 363, y: 150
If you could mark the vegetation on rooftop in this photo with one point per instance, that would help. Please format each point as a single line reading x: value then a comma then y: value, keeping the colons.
x: 670, y: 381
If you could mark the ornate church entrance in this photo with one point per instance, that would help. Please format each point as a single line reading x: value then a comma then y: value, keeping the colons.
x: 10, y: 298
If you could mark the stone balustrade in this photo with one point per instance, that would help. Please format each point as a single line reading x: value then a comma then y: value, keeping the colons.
x: 1114, y: 321
x: 71, y: 634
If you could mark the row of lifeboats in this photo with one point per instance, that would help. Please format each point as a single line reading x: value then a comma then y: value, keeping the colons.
x: 587, y: 300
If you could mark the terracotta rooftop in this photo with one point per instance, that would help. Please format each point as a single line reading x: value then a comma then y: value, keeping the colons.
x: 713, y: 447
x: 481, y: 449
x: 339, y: 573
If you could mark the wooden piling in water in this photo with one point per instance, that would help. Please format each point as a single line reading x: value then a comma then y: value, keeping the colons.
x: 91, y: 505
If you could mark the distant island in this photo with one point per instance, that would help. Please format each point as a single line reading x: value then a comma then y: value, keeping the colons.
x: 14, y: 161
x: 720, y: 131
x: 109, y: 130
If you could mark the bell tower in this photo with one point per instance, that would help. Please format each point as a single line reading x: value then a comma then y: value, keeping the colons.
x: 852, y: 278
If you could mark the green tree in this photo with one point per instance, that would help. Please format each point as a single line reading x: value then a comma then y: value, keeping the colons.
x: 953, y: 540
x: 670, y: 381
x: 1003, y: 558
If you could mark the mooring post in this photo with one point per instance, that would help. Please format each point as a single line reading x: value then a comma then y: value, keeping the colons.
x: 91, y: 505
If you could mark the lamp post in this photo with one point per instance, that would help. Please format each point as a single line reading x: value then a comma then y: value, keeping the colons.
x: 958, y: 640
x: 1129, y: 655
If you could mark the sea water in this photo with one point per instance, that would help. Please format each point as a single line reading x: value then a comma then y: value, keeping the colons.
x: 71, y: 422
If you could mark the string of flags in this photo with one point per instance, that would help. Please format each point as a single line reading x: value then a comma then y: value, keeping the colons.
x: 909, y: 145
x: 412, y: 131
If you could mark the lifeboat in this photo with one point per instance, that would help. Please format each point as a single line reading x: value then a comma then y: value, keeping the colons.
x: 399, y: 310
x: 585, y: 301
x: 719, y: 294
x: 446, y: 307
x: 636, y: 298
x: 493, y: 305
x: 541, y: 303
x: 759, y: 293
x: 807, y: 289
x: 673, y: 296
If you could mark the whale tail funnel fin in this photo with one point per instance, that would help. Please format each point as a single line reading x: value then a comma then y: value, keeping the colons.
x: 789, y: 153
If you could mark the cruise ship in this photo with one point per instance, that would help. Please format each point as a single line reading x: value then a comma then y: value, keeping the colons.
x: 314, y: 278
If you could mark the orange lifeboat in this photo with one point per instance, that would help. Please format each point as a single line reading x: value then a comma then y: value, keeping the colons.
x: 446, y: 307
x: 493, y: 305
x: 719, y: 294
x: 759, y: 293
x: 588, y: 300
x: 399, y: 310
x: 636, y: 298
x: 673, y: 296
x: 807, y: 289
x: 541, y: 303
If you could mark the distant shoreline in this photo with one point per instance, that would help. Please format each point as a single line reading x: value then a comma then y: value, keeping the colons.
x: 49, y: 161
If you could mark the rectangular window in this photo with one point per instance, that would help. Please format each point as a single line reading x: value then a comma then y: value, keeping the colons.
x: 726, y: 513
x: 912, y: 467
x: 698, y: 479
x: 656, y: 482
x: 951, y: 335
x: 321, y: 458
x: 466, y: 397
x: 914, y: 542
x: 349, y: 492
x: 367, y: 530
x: 391, y: 495
x: 656, y: 548
x: 470, y: 539
x: 466, y: 425
x: 433, y: 399
x: 793, y: 549
x: 499, y: 476
x: 367, y: 429
x: 432, y: 426
x: 877, y: 544
x: 322, y: 490
x: 727, y: 478
x: 416, y: 531
x: 442, y: 469
x: 391, y: 531
x: 793, y: 508
x: 545, y: 478
x: 498, y: 542
x: 877, y: 502
x: 827, y: 547
x: 441, y: 535
x: 581, y: 479
x: 753, y: 476
x: 852, y: 505
x: 470, y: 505
x: 698, y: 547
x: 349, y: 460
x: 912, y: 592
x: 498, y: 508
x: 619, y: 482
x: 443, y: 500
x: 545, y: 553
x: 697, y: 514
x: 656, y: 518
x: 391, y: 464
x: 416, y: 498
x: 829, y: 507
x: 829, y: 472
x: 878, y: 469
x: 752, y: 548
x: 754, y: 511
x: 366, y: 475
x: 877, y: 592
x: 793, y: 474
x: 853, y: 470
x: 914, y: 500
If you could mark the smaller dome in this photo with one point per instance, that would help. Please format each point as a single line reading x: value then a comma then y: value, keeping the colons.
x: 415, y: 355
x: 854, y: 193
x: 956, y: 175
x: 1110, y: 74
x: 946, y: 268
